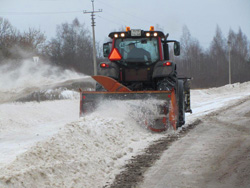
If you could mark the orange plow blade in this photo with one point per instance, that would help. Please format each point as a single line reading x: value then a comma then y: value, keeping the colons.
x: 116, y: 91
x: 110, y: 84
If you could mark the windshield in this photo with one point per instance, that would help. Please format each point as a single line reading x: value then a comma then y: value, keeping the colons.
x: 143, y: 50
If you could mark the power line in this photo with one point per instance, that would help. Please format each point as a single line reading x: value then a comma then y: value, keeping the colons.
x: 117, y: 23
x: 125, y: 12
x: 38, y: 13
x: 108, y: 20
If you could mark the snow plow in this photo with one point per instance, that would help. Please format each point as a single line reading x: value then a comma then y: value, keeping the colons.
x: 139, y: 68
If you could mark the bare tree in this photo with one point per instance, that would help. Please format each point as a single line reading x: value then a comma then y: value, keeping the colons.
x: 30, y: 43
x: 239, y: 56
x: 32, y: 39
x: 8, y: 36
x: 72, y: 47
x: 218, y: 56
x: 190, y: 61
x: 15, y: 45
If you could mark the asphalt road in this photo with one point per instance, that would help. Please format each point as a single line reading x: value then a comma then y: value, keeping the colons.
x: 214, y: 154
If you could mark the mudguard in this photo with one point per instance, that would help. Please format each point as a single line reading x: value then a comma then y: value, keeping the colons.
x: 161, y: 71
x: 112, y: 70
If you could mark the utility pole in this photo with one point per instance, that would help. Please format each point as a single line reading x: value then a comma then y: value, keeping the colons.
x: 229, y: 61
x: 93, y: 31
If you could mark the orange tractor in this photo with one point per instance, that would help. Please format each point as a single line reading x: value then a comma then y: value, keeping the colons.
x: 139, y: 68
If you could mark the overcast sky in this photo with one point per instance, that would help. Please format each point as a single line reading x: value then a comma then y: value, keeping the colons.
x: 200, y: 16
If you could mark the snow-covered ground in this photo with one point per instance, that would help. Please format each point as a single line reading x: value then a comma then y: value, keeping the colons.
x: 46, y: 144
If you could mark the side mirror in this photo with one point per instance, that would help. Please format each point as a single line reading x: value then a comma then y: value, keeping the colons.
x: 106, y: 49
x: 177, y: 47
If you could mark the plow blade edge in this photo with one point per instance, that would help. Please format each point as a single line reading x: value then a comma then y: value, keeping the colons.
x: 169, y: 112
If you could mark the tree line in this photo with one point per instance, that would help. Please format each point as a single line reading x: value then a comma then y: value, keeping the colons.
x: 71, y: 48
x: 210, y: 67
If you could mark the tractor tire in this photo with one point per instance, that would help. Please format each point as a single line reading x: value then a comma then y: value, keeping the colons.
x: 181, y: 104
x: 166, y: 84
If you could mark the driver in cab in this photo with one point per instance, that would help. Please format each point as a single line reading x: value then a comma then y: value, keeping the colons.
x: 138, y: 53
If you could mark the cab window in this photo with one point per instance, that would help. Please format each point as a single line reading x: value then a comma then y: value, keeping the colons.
x: 146, y: 49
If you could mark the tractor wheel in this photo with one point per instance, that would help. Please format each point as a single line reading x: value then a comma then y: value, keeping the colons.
x: 166, y: 84
x: 181, y: 104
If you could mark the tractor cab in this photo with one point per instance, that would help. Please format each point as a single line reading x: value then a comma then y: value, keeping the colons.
x: 137, y: 47
x: 139, y: 59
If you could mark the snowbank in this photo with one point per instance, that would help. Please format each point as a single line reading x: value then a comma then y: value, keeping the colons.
x: 85, y: 153
x: 207, y: 100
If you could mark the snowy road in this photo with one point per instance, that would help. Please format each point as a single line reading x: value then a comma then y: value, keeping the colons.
x: 215, y: 154
x: 47, y: 145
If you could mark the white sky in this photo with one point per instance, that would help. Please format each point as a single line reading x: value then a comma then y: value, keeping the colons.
x: 200, y: 16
